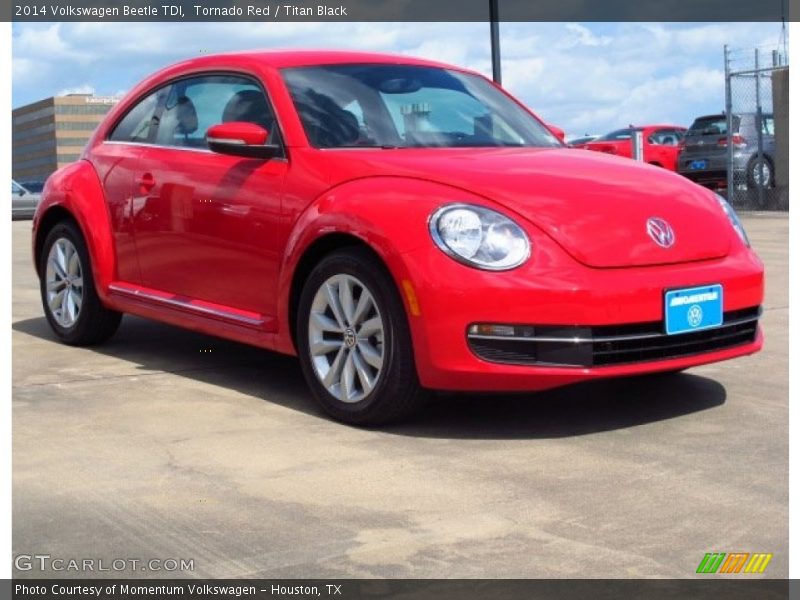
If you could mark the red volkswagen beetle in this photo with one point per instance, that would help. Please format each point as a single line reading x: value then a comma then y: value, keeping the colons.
x: 661, y: 144
x: 400, y: 225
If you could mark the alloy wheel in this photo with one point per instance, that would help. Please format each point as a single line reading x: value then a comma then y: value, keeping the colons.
x: 346, y: 338
x: 64, y: 280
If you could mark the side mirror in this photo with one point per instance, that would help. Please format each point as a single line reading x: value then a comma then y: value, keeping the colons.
x: 241, y: 139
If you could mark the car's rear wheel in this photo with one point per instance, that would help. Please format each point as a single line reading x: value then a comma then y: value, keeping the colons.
x: 354, y: 343
x: 69, y: 298
x: 760, y: 173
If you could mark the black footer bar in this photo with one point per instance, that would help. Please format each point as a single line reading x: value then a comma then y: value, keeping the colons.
x: 404, y: 589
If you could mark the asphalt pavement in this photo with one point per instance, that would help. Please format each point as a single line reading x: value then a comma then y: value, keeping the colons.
x: 166, y: 444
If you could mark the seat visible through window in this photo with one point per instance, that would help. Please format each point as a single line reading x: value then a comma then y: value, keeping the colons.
x: 178, y: 123
x: 328, y: 125
x: 250, y: 106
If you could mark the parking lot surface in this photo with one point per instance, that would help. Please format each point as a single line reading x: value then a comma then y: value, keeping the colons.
x: 167, y: 444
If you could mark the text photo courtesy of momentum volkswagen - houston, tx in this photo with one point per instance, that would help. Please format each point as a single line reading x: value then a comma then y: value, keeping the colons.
x: 374, y: 300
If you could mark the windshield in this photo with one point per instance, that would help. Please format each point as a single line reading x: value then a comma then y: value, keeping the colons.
x: 34, y: 187
x: 619, y: 134
x: 391, y: 106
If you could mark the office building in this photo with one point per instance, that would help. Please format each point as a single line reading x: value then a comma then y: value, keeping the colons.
x: 51, y: 133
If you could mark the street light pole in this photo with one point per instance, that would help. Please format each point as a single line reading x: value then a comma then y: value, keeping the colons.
x: 494, y: 17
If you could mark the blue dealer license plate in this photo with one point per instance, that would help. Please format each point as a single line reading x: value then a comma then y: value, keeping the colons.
x: 697, y: 165
x: 693, y: 309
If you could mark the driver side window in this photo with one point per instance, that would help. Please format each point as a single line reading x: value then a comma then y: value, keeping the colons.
x: 193, y: 105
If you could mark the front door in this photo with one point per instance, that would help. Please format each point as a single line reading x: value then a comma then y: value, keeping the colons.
x: 205, y: 223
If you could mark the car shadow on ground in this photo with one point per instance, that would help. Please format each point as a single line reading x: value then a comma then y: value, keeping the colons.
x: 581, y: 409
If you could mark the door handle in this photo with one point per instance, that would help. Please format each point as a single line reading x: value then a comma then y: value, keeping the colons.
x: 146, y: 182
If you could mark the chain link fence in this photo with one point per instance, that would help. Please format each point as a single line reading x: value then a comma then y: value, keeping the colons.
x: 755, y: 140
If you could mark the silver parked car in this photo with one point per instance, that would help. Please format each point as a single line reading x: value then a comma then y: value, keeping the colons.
x: 24, y: 199
x: 704, y: 154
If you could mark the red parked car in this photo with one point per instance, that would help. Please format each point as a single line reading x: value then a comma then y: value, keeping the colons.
x: 661, y: 144
x: 398, y: 224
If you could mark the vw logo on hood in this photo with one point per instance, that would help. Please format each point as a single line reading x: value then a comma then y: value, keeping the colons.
x: 660, y: 232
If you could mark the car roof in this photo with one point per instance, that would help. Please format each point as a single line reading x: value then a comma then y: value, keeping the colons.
x: 642, y: 127
x: 306, y: 58
x: 737, y: 114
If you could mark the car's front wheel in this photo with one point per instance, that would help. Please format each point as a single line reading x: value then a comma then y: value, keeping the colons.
x: 354, y: 342
x: 69, y: 298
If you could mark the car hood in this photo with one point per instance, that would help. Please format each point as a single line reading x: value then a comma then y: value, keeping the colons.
x: 595, y: 206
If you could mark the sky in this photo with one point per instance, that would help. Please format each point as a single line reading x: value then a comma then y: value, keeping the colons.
x: 583, y: 77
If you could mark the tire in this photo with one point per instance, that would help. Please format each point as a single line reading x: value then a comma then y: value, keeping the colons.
x: 658, y: 377
x: 672, y: 372
x: 767, y: 170
x: 69, y: 297
x: 357, y: 355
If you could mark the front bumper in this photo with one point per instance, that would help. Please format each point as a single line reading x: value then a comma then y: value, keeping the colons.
x: 551, y: 290
x: 610, y: 345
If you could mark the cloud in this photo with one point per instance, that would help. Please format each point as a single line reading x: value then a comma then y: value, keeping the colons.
x: 582, y: 77
x: 604, y: 76
x: 48, y: 42
x: 80, y: 89
x: 583, y: 36
x: 26, y: 71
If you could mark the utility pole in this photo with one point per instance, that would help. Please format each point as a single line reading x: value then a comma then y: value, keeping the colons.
x: 494, y: 18
x: 729, y: 127
x: 759, y: 181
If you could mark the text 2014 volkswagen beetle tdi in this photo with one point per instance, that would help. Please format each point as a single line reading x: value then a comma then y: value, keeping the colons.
x: 400, y: 225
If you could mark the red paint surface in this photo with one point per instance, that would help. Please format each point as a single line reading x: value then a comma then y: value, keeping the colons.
x: 225, y: 234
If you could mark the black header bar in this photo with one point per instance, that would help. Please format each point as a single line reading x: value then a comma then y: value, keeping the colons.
x: 400, y: 10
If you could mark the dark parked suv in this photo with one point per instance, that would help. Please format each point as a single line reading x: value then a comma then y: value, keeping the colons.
x: 704, y: 154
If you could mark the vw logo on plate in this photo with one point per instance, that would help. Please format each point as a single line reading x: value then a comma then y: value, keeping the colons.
x: 695, y: 315
x: 660, y: 232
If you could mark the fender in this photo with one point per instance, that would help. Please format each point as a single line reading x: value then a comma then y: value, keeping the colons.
x: 76, y: 190
x: 388, y: 214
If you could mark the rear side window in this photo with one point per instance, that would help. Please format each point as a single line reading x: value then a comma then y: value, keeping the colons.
x: 716, y: 125
x: 138, y: 125
x: 666, y: 137
x: 35, y: 187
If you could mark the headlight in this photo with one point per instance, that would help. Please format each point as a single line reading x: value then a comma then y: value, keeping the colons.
x: 479, y: 237
x: 733, y: 218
